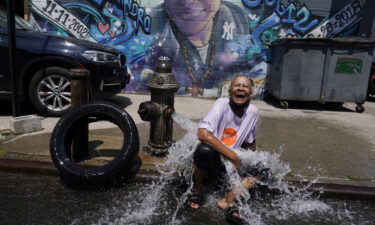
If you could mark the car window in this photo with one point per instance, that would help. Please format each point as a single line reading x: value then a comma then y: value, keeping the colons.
x: 3, y: 20
x: 21, y: 24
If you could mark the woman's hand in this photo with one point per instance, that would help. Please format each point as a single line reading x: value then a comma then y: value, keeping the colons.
x: 235, y: 160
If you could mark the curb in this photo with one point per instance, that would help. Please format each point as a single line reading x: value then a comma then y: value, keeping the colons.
x: 325, y: 190
x: 45, y: 168
x: 328, y: 190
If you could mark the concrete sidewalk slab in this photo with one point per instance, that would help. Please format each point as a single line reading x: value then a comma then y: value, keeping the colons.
x: 337, y: 145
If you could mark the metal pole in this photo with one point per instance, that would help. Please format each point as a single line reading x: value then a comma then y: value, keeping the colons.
x: 12, y: 56
x: 80, y: 85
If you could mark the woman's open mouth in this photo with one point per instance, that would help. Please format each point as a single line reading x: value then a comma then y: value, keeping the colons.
x: 240, y: 96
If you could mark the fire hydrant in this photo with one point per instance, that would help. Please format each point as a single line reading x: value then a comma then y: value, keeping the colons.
x: 159, y: 110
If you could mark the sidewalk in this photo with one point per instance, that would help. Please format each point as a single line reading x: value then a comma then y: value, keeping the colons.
x: 335, y: 144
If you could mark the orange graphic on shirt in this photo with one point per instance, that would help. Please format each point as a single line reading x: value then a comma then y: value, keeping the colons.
x: 229, y: 136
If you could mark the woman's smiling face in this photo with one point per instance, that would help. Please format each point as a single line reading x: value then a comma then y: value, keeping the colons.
x: 240, y: 90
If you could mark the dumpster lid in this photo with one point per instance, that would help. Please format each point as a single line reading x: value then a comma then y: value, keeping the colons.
x: 350, y: 41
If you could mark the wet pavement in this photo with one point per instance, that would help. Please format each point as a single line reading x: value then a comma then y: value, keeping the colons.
x: 325, y: 142
x: 30, y: 201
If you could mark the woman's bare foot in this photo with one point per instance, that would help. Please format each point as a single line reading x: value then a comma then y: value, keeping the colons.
x: 223, y: 205
x: 195, y: 201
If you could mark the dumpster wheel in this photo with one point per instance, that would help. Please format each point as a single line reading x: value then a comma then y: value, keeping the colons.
x: 284, y: 104
x: 360, y: 108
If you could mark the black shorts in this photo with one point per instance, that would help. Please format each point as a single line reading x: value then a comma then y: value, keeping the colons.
x: 207, y: 158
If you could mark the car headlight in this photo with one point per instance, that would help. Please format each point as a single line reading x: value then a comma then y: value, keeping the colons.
x: 102, y: 57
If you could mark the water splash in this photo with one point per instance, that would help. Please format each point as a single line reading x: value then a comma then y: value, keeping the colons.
x: 160, y: 202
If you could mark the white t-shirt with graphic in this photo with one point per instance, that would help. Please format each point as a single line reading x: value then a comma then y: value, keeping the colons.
x: 229, y: 128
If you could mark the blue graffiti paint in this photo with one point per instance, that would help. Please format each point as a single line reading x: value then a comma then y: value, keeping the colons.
x: 85, y: 8
x: 138, y: 15
x: 305, y: 17
x: 297, y: 20
x: 125, y: 8
x: 280, y: 8
x: 268, y: 23
x: 253, y: 3
x: 102, y: 18
x: 290, y: 16
x: 270, y: 2
x: 142, y: 20
x: 290, y: 9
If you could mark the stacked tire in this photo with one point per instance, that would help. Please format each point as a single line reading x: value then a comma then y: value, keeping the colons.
x: 113, y: 173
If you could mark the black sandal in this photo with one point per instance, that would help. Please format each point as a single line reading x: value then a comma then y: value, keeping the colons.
x: 194, y: 198
x: 229, y: 217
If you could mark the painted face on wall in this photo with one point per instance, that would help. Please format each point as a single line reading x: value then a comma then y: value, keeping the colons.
x: 191, y: 16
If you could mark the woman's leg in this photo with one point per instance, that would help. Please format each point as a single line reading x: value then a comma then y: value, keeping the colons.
x: 229, y: 198
x: 206, y: 164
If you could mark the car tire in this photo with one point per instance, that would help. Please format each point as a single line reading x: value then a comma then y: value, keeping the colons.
x: 113, y: 173
x: 50, y: 91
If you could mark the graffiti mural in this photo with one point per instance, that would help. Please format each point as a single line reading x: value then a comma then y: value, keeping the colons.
x: 209, y: 41
x: 351, y: 14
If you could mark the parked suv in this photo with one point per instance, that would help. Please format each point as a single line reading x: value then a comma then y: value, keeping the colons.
x: 43, y: 64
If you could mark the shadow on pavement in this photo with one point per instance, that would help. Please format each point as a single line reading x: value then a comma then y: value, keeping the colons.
x: 120, y: 101
x: 309, y: 105
x: 25, y: 108
x: 370, y: 98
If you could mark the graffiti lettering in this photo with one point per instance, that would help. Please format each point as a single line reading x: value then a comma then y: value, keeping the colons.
x: 349, y: 15
x: 305, y: 17
x: 138, y: 15
x: 268, y: 23
x: 59, y: 16
x: 280, y: 8
x: 126, y: 25
x: 291, y: 8
x: 288, y: 15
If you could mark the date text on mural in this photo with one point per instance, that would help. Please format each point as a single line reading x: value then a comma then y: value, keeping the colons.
x: 58, y: 15
x: 348, y: 16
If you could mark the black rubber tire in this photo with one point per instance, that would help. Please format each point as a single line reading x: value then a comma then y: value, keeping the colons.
x: 62, y: 136
x: 33, y: 89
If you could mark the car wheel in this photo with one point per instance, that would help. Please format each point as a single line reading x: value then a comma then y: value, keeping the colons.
x: 50, y: 91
